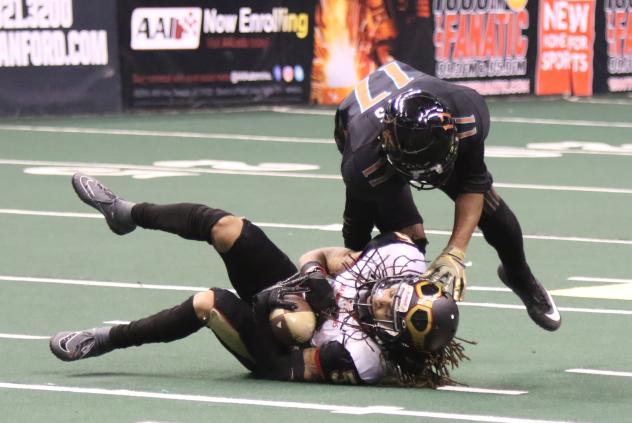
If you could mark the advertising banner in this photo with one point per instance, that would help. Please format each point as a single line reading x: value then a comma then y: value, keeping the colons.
x: 58, y: 56
x: 198, y: 53
x: 566, y: 37
x: 618, y: 34
x: 352, y: 38
x: 484, y: 44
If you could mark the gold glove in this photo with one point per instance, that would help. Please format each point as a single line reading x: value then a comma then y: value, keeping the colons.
x: 448, y: 269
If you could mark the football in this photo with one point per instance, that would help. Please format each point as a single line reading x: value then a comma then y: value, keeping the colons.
x: 293, y: 327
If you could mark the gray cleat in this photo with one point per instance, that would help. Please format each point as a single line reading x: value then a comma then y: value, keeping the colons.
x: 117, y: 212
x: 537, y: 300
x: 71, y: 346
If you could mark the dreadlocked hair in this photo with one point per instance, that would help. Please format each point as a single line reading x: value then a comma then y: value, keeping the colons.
x: 430, y: 370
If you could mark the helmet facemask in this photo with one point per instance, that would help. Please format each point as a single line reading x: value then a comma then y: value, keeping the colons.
x: 419, y: 139
x: 411, y: 323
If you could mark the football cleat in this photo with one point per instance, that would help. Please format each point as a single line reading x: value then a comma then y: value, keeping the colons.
x: 537, y: 300
x: 117, y: 211
x: 71, y: 346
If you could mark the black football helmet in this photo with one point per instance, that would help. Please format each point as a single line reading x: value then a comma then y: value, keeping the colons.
x: 423, y: 318
x: 419, y: 138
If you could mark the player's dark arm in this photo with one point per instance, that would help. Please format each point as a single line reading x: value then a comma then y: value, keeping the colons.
x: 331, y: 363
x: 467, y: 213
x: 473, y: 181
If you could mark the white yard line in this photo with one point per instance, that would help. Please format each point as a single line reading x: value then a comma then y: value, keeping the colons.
x: 565, y: 309
x: 108, y: 284
x: 121, y: 167
x: 86, y: 166
x: 333, y: 227
x: 600, y: 372
x: 564, y: 188
x: 103, y: 284
x: 562, y: 122
x: 25, y: 337
x: 311, y: 140
x: 593, y: 279
x: 472, y: 389
x: 384, y: 410
x: 168, y: 134
x: 609, y: 101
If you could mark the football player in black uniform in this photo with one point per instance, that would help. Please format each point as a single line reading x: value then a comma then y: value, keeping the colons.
x: 378, y: 318
x: 401, y: 128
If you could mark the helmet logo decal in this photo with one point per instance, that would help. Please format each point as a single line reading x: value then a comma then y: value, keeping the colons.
x: 405, y: 293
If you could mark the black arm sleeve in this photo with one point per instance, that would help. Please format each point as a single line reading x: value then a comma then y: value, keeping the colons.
x: 337, y: 364
x: 358, y: 221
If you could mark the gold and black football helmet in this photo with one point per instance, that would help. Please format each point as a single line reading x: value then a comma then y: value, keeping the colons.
x: 423, y: 318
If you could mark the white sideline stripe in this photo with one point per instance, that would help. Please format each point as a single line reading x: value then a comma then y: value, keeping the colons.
x: 104, y: 284
x: 17, y: 336
x: 333, y: 408
x: 333, y: 227
x: 600, y: 372
x: 170, y: 134
x: 197, y: 170
x: 592, y: 279
x: 567, y: 309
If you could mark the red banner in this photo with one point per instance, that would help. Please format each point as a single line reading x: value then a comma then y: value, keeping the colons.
x: 566, y: 35
x: 484, y: 42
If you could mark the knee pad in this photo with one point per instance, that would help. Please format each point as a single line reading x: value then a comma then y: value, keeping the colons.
x: 228, y: 336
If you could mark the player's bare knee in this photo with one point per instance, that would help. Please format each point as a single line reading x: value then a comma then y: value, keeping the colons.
x: 225, y: 232
x: 203, y: 304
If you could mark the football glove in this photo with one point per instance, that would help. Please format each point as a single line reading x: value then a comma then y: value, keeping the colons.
x: 448, y: 269
x: 270, y: 298
x: 320, y: 294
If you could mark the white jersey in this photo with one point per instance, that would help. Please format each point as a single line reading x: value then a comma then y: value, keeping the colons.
x: 388, y: 257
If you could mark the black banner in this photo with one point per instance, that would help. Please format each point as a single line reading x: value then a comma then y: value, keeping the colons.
x: 58, y: 56
x: 198, y: 53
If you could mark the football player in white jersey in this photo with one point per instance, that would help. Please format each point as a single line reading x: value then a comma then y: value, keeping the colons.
x: 376, y: 316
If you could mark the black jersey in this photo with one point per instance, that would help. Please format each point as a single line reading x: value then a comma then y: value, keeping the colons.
x: 359, y: 123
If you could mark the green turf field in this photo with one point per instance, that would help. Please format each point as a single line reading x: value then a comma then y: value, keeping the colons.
x: 564, y: 167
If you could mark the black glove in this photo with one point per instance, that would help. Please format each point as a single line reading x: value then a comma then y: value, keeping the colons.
x: 270, y: 298
x: 320, y: 294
